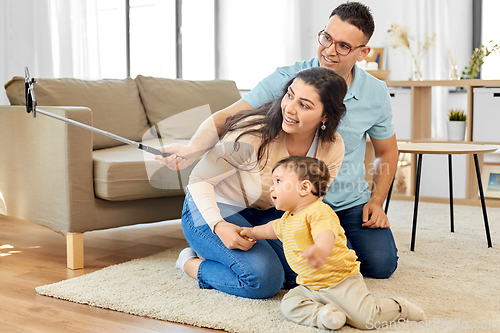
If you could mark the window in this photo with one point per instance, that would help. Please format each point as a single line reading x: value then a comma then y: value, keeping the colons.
x: 491, y: 67
x: 225, y: 39
x: 198, y: 40
x: 112, y: 38
x: 153, y: 40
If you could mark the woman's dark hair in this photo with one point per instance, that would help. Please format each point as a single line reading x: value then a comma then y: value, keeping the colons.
x: 358, y: 15
x: 308, y: 168
x: 331, y: 88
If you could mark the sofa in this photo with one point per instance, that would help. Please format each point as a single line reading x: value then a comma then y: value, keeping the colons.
x: 72, y: 180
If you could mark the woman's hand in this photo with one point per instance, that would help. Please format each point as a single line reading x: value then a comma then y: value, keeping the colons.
x: 229, y: 234
x: 182, y: 156
x: 247, y: 233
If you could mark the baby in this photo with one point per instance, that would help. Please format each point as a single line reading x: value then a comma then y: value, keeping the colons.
x: 331, y: 289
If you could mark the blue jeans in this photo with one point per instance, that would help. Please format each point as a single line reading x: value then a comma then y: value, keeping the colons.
x: 375, y: 248
x: 257, y: 273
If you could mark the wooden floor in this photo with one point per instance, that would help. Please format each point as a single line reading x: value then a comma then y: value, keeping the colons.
x: 31, y: 256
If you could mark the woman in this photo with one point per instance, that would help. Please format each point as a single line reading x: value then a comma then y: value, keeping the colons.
x: 229, y: 187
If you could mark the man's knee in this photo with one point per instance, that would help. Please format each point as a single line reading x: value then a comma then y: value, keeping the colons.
x: 379, y: 267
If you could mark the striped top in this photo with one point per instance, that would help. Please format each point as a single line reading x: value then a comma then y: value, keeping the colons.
x: 297, y: 233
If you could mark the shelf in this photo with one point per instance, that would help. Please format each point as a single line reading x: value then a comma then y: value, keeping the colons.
x: 443, y: 140
x: 490, y: 202
x: 445, y: 83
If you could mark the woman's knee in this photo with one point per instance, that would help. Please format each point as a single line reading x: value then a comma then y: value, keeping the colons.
x: 262, y: 289
x: 264, y: 283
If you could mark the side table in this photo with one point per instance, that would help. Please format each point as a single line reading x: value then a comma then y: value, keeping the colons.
x: 420, y: 148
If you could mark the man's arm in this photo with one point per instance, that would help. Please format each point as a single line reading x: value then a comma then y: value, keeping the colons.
x: 204, y: 139
x: 384, y: 168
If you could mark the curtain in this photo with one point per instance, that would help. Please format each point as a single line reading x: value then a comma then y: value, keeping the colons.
x: 53, y: 38
x: 429, y: 16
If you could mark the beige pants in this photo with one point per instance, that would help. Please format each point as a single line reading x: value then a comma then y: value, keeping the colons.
x: 349, y: 296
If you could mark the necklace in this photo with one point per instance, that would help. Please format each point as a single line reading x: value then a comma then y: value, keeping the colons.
x: 348, y: 78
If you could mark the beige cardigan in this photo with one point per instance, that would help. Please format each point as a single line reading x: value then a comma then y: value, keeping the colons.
x: 232, y: 172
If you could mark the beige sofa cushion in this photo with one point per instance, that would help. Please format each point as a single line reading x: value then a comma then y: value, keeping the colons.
x: 115, y: 104
x: 127, y: 173
x: 190, y: 101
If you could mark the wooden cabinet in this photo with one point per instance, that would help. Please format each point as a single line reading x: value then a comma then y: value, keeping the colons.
x: 421, y: 101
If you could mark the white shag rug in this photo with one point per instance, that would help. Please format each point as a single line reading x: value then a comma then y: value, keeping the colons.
x: 454, y: 277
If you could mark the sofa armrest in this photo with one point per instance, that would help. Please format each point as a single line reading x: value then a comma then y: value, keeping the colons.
x: 46, y: 171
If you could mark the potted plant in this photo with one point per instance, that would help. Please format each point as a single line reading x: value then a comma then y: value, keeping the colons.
x: 477, y: 60
x: 456, y: 124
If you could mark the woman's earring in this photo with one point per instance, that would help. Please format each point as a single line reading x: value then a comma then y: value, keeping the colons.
x: 323, y: 127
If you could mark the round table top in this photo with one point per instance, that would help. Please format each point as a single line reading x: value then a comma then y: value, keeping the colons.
x: 443, y: 148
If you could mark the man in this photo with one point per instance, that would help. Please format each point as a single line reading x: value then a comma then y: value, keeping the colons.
x: 341, y: 44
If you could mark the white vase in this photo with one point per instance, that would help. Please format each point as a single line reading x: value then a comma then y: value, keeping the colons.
x: 454, y: 73
x: 456, y: 130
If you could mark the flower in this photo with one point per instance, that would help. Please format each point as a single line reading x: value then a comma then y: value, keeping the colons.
x: 399, y: 34
x: 400, y: 40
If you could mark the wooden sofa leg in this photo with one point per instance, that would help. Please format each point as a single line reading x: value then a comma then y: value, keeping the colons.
x: 74, y: 250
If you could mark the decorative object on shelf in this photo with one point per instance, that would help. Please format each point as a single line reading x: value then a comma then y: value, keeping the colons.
x: 456, y: 124
x: 374, y: 63
x: 491, y: 180
x: 453, y: 68
x: 375, y: 55
x: 477, y: 60
x: 380, y: 74
x: 417, y: 69
x: 403, y: 175
x: 400, y: 40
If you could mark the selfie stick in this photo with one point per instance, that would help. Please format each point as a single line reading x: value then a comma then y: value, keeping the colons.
x: 31, y: 107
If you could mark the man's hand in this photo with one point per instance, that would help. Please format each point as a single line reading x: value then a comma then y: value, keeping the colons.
x: 182, y: 156
x: 315, y: 256
x: 229, y: 234
x: 374, y: 216
x: 384, y: 168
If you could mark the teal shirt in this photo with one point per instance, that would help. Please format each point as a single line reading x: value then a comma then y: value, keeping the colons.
x: 368, y: 112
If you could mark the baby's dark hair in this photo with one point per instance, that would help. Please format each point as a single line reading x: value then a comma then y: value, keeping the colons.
x: 308, y: 168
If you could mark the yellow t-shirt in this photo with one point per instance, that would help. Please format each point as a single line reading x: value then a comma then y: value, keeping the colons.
x: 297, y: 233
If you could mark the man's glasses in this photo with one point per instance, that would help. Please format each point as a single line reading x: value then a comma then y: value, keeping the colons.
x: 342, y: 48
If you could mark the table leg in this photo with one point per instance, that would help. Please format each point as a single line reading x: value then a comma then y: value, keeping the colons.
x: 483, y: 204
x: 388, y: 197
x: 450, y: 180
x: 415, y: 207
